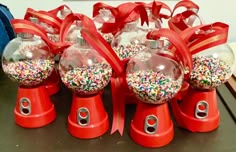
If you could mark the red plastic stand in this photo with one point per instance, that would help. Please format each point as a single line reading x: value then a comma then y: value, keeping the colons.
x: 33, y: 107
x: 198, y: 111
x: 87, y: 118
x: 52, y: 84
x: 152, y: 126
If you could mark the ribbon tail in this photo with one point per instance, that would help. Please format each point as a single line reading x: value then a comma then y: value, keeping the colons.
x: 118, y: 106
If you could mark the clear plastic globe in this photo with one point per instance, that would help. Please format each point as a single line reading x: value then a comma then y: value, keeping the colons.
x: 153, y: 78
x: 83, y: 70
x: 73, y: 32
x: 129, y: 41
x: 27, y: 60
x: 212, y: 67
x: 104, y: 16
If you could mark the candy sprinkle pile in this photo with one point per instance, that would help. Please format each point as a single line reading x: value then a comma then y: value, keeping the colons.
x: 209, y: 72
x: 153, y: 87
x: 128, y: 51
x: 29, y: 72
x: 88, y: 80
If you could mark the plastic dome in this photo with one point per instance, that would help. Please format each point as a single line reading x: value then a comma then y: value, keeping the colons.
x: 83, y: 70
x: 73, y: 32
x: 27, y: 60
x: 152, y: 77
x: 104, y: 16
x: 212, y: 67
x: 129, y: 41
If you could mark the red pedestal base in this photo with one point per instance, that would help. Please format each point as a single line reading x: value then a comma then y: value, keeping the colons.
x: 198, y: 111
x: 53, y: 83
x: 33, y: 107
x: 88, y: 118
x: 152, y: 126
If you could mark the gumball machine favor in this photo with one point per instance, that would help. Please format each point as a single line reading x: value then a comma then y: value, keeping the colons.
x: 86, y: 73
x: 103, y: 13
x: 212, y: 66
x: 154, y: 79
x: 28, y: 61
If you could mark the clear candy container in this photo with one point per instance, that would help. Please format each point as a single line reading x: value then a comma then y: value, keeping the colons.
x: 73, y: 32
x: 83, y: 70
x: 212, y: 67
x: 104, y: 16
x: 27, y: 60
x: 153, y: 78
x: 129, y: 41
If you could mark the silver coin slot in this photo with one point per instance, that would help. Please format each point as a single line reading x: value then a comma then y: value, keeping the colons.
x: 25, y: 106
x: 83, y: 116
x: 151, y: 124
x: 201, y: 110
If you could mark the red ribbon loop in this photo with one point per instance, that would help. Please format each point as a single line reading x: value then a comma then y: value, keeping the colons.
x: 100, y: 5
x: 44, y: 17
x: 127, y: 12
x: 163, y: 7
x: 205, y: 36
x: 24, y: 26
x: 178, y: 22
x: 55, y: 11
x: 158, y: 4
x: 188, y: 4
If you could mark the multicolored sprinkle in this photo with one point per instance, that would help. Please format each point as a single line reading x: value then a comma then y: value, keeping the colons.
x: 209, y: 73
x: 153, y: 87
x: 29, y: 73
x: 87, y: 80
x: 128, y: 51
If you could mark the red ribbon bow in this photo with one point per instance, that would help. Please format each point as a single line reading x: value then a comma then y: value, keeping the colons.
x: 178, y: 22
x: 127, y: 12
x: 58, y: 9
x: 100, y: 5
x: 45, y: 17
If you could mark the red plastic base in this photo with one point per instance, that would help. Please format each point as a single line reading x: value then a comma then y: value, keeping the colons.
x: 88, y: 118
x: 157, y: 130
x: 198, y: 111
x: 33, y: 108
x: 53, y: 83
